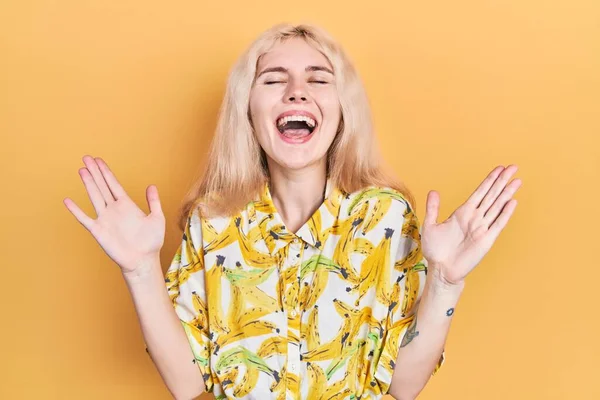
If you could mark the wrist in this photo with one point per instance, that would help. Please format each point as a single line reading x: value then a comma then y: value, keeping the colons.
x: 440, y: 282
x: 143, y: 268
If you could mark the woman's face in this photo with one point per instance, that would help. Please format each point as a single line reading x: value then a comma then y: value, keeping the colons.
x: 294, y: 105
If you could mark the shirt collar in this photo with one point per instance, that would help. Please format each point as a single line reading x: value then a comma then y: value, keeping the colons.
x: 276, y: 234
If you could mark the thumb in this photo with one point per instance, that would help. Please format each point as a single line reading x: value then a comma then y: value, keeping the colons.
x: 432, y: 208
x: 153, y: 200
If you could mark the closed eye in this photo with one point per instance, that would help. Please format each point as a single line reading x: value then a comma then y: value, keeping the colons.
x: 320, y: 82
x: 272, y: 82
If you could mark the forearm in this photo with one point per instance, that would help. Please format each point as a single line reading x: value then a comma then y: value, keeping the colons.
x: 425, y: 338
x: 163, y: 333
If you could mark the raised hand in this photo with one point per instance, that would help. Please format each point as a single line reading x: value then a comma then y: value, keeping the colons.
x: 454, y: 247
x: 123, y: 230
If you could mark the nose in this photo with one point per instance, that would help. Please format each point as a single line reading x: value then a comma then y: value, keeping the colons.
x: 296, y: 93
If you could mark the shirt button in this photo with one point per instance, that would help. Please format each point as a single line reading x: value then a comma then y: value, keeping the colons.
x: 294, y: 313
x: 293, y: 367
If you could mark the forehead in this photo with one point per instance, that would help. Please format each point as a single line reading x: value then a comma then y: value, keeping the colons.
x: 295, y: 52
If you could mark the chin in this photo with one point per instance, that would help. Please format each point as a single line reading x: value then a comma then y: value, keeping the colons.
x: 293, y: 164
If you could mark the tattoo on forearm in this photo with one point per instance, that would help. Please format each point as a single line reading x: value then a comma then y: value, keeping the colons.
x: 411, y: 333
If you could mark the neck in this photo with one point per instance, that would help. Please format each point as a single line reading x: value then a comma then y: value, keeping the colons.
x: 297, y: 194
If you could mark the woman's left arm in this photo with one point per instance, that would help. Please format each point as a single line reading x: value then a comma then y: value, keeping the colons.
x: 452, y: 249
x: 426, y: 335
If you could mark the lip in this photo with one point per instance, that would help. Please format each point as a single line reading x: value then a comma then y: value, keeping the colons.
x: 297, y: 112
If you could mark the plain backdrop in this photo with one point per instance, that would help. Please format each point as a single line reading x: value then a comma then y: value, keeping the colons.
x: 456, y: 88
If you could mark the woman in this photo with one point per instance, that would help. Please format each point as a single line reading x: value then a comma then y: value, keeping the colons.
x: 301, y: 272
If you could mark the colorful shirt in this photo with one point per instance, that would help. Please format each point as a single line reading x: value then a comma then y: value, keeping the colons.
x: 316, y: 314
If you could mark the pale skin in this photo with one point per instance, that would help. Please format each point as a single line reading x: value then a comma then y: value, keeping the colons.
x: 298, y: 171
x: 453, y: 248
x: 133, y: 239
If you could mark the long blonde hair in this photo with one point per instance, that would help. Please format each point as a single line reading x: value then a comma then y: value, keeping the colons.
x: 236, y: 170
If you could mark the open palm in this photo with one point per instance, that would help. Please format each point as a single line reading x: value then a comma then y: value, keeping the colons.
x: 455, y: 246
x: 122, y: 229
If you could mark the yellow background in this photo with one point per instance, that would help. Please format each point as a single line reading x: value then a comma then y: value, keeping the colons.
x: 456, y: 87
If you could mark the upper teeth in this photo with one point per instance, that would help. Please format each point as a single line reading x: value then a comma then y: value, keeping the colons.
x: 308, y: 120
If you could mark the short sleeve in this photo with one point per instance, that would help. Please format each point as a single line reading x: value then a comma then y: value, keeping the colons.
x: 408, y: 276
x: 185, y: 282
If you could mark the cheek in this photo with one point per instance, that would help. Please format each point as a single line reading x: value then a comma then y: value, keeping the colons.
x: 258, y: 109
x: 332, y: 108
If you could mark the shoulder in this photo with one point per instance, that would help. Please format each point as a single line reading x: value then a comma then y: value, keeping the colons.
x: 394, y: 201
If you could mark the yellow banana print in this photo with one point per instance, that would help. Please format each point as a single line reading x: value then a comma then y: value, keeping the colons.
x: 411, y: 288
x: 358, y: 317
x: 341, y: 359
x: 317, y: 380
x: 251, y: 329
x: 226, y: 237
x: 314, y: 224
x: 259, y: 298
x: 378, y: 193
x: 333, y: 201
x: 239, y: 277
x: 272, y: 346
x: 213, y: 291
x: 383, y: 283
x: 375, y: 265
x: 235, y: 308
x: 332, y: 349
x: 395, y: 297
x: 310, y: 293
x: 262, y: 227
x: 209, y: 233
x: 391, y: 342
x: 341, y: 291
x: 229, y: 377
x: 200, y: 309
x: 343, y: 249
x: 335, y: 388
x: 362, y: 246
x: 380, y: 208
x: 293, y: 382
x: 248, y: 382
x: 251, y: 255
x: 253, y: 363
x: 313, y: 340
x: 354, y: 364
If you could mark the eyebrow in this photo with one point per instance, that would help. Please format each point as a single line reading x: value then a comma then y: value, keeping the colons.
x: 310, y: 68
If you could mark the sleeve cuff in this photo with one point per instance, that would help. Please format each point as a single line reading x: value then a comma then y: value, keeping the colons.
x: 200, y: 348
x: 387, y: 361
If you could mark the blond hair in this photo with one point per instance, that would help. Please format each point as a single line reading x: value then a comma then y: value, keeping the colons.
x: 236, y: 170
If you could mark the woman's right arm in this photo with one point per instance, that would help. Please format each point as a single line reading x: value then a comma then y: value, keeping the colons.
x: 163, y: 333
x: 133, y: 241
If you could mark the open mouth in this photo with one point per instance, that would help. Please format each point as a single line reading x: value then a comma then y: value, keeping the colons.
x: 296, y: 126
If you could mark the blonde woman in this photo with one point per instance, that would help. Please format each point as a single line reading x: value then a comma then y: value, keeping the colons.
x: 301, y: 271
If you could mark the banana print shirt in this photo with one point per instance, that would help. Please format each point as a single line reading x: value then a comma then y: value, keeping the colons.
x: 316, y: 314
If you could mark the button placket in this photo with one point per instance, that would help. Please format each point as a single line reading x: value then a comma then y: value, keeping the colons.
x: 293, y: 346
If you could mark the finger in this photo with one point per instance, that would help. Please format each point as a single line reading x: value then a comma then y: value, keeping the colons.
x: 153, y: 200
x: 92, y: 166
x: 475, y: 199
x: 92, y: 190
x: 502, y: 219
x: 111, y: 180
x: 83, y: 219
x: 497, y: 188
x: 432, y: 208
x: 505, y: 196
